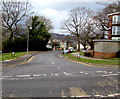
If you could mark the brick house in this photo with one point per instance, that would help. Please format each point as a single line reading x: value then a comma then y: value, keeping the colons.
x: 114, y: 26
x: 109, y: 48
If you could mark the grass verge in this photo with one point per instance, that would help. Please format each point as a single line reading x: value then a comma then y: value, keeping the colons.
x: 102, y: 62
x: 8, y: 56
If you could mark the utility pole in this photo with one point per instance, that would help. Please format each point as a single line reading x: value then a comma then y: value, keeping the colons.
x: 28, y: 40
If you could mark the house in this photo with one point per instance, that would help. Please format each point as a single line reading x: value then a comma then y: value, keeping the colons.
x: 109, y: 48
x: 114, y: 26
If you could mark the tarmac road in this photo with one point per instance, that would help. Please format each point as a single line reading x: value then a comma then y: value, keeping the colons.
x: 47, y: 74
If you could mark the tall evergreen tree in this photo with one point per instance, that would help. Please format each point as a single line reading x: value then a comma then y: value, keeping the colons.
x: 38, y: 33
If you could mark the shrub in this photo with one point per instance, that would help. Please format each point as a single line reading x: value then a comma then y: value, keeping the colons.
x: 88, y: 53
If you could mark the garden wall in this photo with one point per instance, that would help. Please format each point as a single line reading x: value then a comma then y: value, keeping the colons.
x: 106, y: 48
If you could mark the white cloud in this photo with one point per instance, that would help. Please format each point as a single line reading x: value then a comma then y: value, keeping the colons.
x: 57, y: 10
x: 55, y: 16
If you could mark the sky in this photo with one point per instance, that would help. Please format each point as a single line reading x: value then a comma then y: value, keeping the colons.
x: 57, y: 10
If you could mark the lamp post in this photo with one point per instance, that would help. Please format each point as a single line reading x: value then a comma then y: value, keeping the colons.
x: 28, y: 39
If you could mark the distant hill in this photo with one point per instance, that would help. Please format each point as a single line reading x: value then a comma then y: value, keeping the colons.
x: 62, y: 37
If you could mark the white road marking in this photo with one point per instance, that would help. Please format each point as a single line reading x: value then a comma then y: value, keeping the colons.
x: 98, y: 95
x: 58, y: 67
x: 6, y: 76
x: 44, y: 74
x: 37, y: 75
x: 56, y: 74
x: 86, y: 73
x: 99, y: 71
x: 52, y: 74
x: 111, y: 95
x: 65, y: 73
x: 23, y: 75
x: 52, y: 62
x: 81, y: 72
x: 110, y: 75
x: 117, y: 94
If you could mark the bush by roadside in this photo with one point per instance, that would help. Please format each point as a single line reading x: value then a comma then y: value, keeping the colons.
x: 88, y: 53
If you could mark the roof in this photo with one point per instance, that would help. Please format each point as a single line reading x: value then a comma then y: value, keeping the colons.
x: 105, y: 40
x: 113, y: 13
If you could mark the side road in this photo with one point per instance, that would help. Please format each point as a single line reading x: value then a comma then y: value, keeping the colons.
x: 18, y: 60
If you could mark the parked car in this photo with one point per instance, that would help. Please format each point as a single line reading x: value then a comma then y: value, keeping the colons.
x: 66, y: 51
x: 71, y: 49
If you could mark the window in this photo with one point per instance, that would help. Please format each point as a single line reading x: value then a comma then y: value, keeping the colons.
x: 118, y: 29
x: 115, y: 30
x: 116, y: 19
x: 119, y: 19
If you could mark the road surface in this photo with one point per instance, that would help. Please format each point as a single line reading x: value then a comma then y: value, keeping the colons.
x: 48, y: 74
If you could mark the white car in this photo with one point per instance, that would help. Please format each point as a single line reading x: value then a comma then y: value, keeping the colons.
x: 66, y: 51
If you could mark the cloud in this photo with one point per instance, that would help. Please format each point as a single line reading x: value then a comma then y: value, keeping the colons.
x: 55, y: 16
x: 57, y: 10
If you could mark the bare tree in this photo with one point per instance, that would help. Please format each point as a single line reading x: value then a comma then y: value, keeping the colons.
x: 77, y: 21
x: 13, y: 13
x: 88, y: 34
x: 85, y: 34
x: 101, y: 22
x: 110, y: 5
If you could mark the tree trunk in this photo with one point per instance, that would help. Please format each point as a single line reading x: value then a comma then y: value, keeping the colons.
x: 91, y: 45
x: 78, y: 39
x: 84, y: 47
x: 12, y: 41
x: 11, y: 35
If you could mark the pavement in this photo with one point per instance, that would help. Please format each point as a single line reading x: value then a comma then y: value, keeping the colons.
x: 77, y: 55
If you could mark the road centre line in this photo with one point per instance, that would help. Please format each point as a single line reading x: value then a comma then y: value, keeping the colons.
x: 52, y: 62
x: 58, y: 67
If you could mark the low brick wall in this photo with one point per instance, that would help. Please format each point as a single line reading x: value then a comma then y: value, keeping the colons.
x: 106, y: 48
x: 104, y: 55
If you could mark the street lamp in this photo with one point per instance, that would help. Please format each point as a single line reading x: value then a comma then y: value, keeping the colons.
x: 28, y: 39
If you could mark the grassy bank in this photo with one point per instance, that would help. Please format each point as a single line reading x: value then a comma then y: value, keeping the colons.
x: 8, y: 56
x: 102, y: 62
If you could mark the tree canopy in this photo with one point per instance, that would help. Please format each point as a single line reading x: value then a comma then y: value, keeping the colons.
x: 39, y: 32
